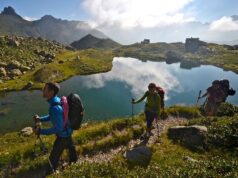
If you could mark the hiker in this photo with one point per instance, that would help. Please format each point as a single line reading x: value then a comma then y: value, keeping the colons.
x: 63, y: 133
x: 152, y: 106
x: 215, y: 96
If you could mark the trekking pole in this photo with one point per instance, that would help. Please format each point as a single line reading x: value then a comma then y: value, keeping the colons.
x: 44, y: 149
x: 42, y: 145
x: 199, y: 95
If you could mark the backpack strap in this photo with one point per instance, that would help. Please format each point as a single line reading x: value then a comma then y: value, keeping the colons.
x: 65, y: 120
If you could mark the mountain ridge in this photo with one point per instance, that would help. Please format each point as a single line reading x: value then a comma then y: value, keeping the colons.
x: 47, y: 27
x: 90, y: 41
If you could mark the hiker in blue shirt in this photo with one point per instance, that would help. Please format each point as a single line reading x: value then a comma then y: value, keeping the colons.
x: 63, y: 133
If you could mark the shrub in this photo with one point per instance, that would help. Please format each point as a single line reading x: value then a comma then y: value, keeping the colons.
x: 226, y: 109
x: 183, y: 111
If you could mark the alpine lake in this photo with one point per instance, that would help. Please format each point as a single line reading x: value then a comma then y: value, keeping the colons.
x: 108, y: 95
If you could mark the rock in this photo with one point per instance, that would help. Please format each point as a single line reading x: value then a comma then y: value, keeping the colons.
x: 191, y: 136
x: 84, y: 124
x: 140, y: 155
x: 15, y: 72
x: 187, y: 158
x: 28, y: 85
x: 13, y: 42
x: 25, y: 68
x: 45, y: 54
x: 40, y: 39
x: 14, y: 65
x: 27, y: 131
x: 3, y: 72
x: 42, y: 53
x: 136, y: 127
x: 2, y: 113
x: 1, y: 81
x: 3, y: 64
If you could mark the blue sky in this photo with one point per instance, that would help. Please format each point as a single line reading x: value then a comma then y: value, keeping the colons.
x: 127, y: 21
x: 209, y: 10
x: 203, y: 10
x: 71, y: 9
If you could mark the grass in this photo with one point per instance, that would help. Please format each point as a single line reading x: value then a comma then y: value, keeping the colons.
x: 65, y: 65
x: 168, y: 159
x: 16, y: 151
x: 187, y: 112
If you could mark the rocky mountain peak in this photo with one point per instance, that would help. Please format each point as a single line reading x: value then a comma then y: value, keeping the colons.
x: 48, y: 18
x: 9, y: 11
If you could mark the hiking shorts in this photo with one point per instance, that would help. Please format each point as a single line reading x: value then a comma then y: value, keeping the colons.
x: 150, y: 116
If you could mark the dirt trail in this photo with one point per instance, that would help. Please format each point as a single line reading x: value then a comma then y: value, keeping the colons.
x: 159, y: 128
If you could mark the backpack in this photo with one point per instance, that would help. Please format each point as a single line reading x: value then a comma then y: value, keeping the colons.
x: 231, y: 92
x: 161, y: 94
x: 76, y: 109
x: 73, y: 110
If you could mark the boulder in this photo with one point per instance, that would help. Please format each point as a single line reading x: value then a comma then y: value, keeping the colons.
x: 14, y: 72
x: 13, y: 42
x: 27, y: 131
x: 3, y: 72
x: 140, y: 155
x: 14, y: 65
x: 3, y: 64
x: 191, y: 136
x: 25, y: 68
x: 29, y: 85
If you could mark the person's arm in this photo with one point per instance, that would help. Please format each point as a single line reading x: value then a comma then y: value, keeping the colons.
x: 57, y: 118
x: 45, y: 118
x: 141, y: 99
x: 205, y: 94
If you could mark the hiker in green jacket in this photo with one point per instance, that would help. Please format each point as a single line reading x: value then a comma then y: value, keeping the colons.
x: 152, y: 106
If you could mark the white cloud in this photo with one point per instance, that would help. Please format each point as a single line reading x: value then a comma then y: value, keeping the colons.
x: 133, y: 13
x: 225, y: 24
x: 29, y: 18
x: 137, y: 78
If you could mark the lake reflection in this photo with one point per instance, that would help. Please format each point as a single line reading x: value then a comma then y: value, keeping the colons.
x: 108, y: 95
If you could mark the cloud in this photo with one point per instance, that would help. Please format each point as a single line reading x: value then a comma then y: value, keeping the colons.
x: 137, y: 13
x: 130, y: 21
x: 137, y: 78
x: 29, y: 18
x: 224, y: 24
